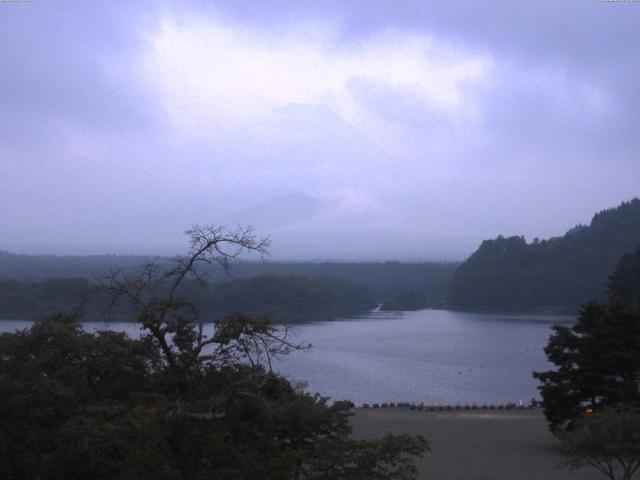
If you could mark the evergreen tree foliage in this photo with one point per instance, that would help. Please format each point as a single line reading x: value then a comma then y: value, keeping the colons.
x: 598, y: 358
x: 283, y: 298
x: 624, y: 284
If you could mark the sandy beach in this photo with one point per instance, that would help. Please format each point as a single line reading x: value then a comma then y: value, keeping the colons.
x: 476, y: 445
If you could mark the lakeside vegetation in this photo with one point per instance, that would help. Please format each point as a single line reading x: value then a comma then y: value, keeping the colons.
x: 385, y: 280
x: 283, y: 299
x: 32, y: 286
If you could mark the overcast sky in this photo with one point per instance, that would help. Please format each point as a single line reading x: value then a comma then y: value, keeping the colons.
x: 345, y: 130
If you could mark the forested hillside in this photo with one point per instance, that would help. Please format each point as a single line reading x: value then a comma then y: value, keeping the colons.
x: 559, y: 273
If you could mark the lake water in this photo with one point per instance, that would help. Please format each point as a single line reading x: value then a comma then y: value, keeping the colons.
x: 430, y: 356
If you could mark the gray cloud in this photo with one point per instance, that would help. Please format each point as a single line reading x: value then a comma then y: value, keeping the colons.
x: 445, y: 121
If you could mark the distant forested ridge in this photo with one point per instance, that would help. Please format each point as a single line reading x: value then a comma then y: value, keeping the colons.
x: 555, y: 274
x: 396, y: 285
x: 288, y: 298
x: 41, y: 267
x: 282, y: 298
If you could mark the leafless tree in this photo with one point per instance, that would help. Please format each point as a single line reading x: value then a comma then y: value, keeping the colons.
x: 177, y: 326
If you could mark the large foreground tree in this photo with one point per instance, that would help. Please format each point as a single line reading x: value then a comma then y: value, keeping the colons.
x: 592, y: 400
x: 189, y: 399
x: 598, y: 358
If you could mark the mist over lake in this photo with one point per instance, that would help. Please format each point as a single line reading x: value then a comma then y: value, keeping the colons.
x: 430, y: 356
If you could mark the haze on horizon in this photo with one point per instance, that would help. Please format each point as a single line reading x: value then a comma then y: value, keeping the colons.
x: 342, y: 129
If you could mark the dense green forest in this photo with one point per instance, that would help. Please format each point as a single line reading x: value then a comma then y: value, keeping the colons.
x: 288, y: 296
x: 31, y: 286
x: 41, y: 267
x: 283, y: 298
x: 555, y: 274
x: 35, y: 300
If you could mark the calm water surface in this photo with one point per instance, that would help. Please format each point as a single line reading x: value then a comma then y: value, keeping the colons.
x: 431, y: 356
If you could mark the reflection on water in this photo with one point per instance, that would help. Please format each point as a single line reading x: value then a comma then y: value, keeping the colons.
x: 431, y: 356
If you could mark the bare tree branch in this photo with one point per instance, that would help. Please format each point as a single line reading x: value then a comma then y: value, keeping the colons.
x: 177, y: 326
